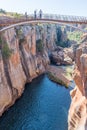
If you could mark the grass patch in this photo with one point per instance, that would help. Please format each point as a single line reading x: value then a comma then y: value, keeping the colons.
x: 76, y: 36
x: 68, y: 72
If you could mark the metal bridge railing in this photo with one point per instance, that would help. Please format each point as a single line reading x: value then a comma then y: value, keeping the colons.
x: 60, y: 18
x: 65, y: 17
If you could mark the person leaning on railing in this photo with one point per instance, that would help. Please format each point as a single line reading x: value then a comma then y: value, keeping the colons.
x: 40, y: 13
x: 35, y: 14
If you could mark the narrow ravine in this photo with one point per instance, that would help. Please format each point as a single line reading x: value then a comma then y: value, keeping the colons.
x: 44, y: 105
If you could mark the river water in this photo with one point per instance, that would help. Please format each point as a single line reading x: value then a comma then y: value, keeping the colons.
x: 44, y: 105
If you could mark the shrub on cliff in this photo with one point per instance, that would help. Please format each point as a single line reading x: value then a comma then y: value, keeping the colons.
x: 76, y: 35
x: 20, y: 35
x: 0, y: 42
x: 6, y: 52
x: 16, y: 15
x: 2, y: 11
x: 19, y: 31
x: 39, y: 45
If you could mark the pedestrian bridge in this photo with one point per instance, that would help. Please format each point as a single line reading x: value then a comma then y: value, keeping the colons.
x: 46, y: 18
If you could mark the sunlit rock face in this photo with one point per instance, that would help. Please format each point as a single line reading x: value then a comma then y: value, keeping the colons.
x: 20, y: 60
x: 23, y: 65
x: 77, y: 119
x: 25, y: 61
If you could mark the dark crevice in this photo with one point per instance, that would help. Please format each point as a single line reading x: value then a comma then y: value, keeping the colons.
x: 6, y: 67
x: 23, y: 61
x: 7, y: 75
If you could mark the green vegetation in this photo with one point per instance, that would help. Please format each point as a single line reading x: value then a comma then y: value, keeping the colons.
x: 76, y: 36
x: 71, y: 36
x: 19, y: 31
x: 55, y: 79
x: 10, y: 14
x: 16, y: 15
x: 69, y: 72
x: 0, y: 41
x: 2, y: 11
x: 6, y: 52
x: 39, y: 45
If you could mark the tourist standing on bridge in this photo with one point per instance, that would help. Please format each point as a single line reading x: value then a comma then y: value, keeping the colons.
x: 40, y: 13
x: 35, y: 14
x: 26, y: 16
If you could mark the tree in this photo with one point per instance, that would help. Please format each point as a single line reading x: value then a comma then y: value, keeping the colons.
x: 2, y: 11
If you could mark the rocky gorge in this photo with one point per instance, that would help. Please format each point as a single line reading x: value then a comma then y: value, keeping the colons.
x: 21, y: 67
x: 23, y: 56
x: 25, y: 53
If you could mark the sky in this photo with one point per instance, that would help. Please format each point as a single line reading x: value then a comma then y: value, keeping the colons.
x: 64, y: 7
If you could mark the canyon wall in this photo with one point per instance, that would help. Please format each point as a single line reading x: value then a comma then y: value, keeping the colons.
x: 20, y: 62
x: 77, y: 119
x: 24, y: 55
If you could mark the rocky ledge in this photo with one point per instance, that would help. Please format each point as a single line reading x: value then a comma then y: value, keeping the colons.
x: 62, y: 56
x: 58, y: 75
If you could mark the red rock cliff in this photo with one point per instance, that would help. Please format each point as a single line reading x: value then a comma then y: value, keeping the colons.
x: 19, y: 60
x: 23, y: 65
x: 77, y: 119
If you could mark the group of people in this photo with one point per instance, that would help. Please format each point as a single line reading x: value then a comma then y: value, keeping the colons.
x: 40, y: 14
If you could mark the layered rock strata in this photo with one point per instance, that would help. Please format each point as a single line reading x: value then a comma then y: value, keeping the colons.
x: 77, y: 119
x: 19, y: 63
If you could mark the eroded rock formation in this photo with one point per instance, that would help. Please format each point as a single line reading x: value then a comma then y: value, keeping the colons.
x: 24, y: 55
x: 21, y: 66
x: 62, y: 56
x: 78, y: 109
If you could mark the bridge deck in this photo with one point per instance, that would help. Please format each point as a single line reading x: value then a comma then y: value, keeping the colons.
x: 54, y: 17
x: 14, y: 21
x: 35, y: 21
x: 46, y: 18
